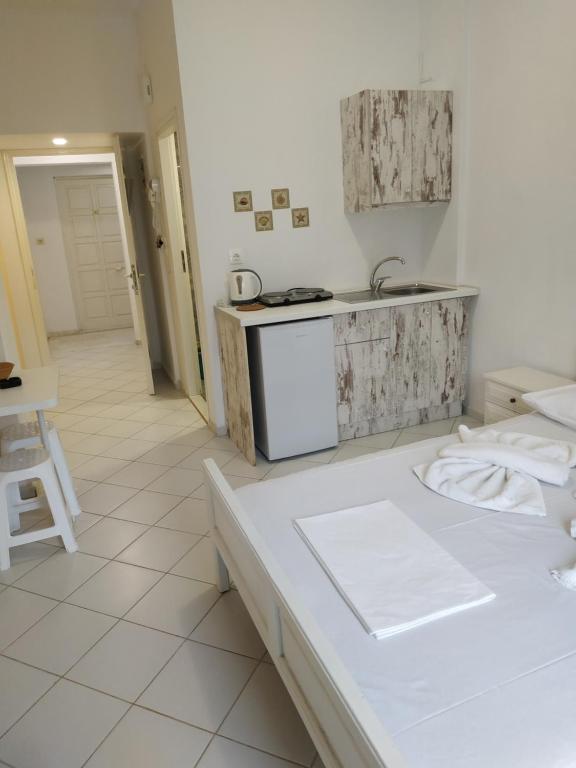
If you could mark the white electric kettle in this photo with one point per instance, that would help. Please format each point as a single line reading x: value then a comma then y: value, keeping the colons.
x: 244, y: 286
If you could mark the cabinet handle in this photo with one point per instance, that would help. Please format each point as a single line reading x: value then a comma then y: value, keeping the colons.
x: 512, y: 399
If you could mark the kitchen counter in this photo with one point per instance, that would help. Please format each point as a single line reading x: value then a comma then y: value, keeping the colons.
x: 334, y: 307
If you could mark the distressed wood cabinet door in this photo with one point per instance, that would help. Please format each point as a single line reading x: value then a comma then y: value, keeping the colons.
x: 431, y: 146
x: 449, y: 353
x: 366, y: 325
x: 410, y: 358
x: 363, y: 380
x: 396, y: 148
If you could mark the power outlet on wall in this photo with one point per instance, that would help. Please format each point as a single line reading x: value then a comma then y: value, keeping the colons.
x: 236, y: 257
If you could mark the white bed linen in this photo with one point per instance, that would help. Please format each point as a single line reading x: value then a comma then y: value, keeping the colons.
x: 462, y: 672
x: 392, y: 574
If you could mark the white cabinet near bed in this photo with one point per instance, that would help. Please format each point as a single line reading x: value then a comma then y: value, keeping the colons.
x: 504, y: 389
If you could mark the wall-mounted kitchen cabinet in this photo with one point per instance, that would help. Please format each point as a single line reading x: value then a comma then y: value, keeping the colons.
x: 396, y: 148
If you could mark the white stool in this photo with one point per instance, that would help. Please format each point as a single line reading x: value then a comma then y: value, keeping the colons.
x: 31, y: 464
x: 27, y: 435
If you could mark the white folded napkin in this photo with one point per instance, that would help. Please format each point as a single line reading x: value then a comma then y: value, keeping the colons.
x: 483, y: 484
x: 558, y: 404
x: 566, y: 577
x: 391, y: 573
x: 556, y: 450
x: 510, y: 457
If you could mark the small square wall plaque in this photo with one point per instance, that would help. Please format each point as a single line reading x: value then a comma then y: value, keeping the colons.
x: 300, y: 217
x: 264, y: 222
x: 242, y: 201
x: 281, y: 198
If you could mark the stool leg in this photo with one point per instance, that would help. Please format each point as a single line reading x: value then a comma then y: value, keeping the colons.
x: 57, y: 507
x: 63, y: 473
x: 4, y: 529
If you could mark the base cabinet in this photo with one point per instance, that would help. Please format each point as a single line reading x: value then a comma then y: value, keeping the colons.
x: 413, y: 373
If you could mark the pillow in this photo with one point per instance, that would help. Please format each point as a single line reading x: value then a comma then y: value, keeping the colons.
x: 558, y: 404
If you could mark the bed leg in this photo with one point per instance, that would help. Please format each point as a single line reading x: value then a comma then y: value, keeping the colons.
x: 222, y: 575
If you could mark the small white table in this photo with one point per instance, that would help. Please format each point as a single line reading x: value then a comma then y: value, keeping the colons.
x: 39, y: 391
x: 504, y: 390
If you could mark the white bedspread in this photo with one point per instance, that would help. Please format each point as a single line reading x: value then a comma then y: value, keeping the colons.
x: 392, y: 574
x: 489, y: 687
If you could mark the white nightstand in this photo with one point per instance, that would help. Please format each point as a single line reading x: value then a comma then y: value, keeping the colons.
x: 504, y: 389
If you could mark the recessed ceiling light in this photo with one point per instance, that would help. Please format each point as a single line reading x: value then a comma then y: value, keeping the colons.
x: 59, y: 141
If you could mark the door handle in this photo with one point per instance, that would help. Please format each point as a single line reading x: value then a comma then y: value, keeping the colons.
x: 183, y: 256
x: 134, y: 277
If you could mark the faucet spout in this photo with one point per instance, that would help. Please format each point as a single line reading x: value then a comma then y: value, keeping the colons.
x: 376, y: 283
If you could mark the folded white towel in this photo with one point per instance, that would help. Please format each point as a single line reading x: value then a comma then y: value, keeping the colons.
x: 558, y: 404
x: 555, y: 450
x: 391, y: 573
x: 510, y: 457
x: 484, y: 485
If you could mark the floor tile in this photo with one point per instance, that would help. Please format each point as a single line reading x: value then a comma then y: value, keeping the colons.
x: 228, y: 626
x: 54, y: 733
x: 74, y: 459
x: 147, y: 507
x: 59, y: 639
x: 61, y: 574
x: 112, y: 397
x: 199, y: 563
x: 124, y: 428
x: 411, y: 437
x: 119, y: 411
x: 379, y: 442
x: 195, y: 438
x: 87, y: 409
x: 469, y: 421
x: 233, y: 481
x: 189, y: 515
x: 81, y: 485
x: 353, y: 452
x: 195, y: 459
x: 115, y: 588
x: 125, y: 661
x: 264, y: 717
x: 430, y: 429
x: 24, y: 558
x: 137, y: 475
x: 240, y: 466
x: 104, y: 498
x: 182, y: 482
x: 160, y: 432
x: 22, y: 686
x: 198, y: 685
x: 109, y: 537
x: 228, y: 754
x: 84, y: 521
x: 130, y: 449
x: 221, y: 444
x: 95, y: 445
x: 92, y: 425
x: 174, y: 605
x: 99, y: 468
x: 182, y: 418
x: 167, y: 455
x: 158, y: 548
x: 64, y: 420
x: 19, y: 611
x: 146, y: 739
x: 146, y: 415
x: 69, y: 439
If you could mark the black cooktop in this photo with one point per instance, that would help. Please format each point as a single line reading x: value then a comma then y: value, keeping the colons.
x: 294, y: 296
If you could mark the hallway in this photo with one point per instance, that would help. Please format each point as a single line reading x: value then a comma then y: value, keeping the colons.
x: 124, y: 653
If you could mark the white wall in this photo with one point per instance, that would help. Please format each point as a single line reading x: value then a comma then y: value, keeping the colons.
x: 514, y: 225
x: 261, y: 86
x: 38, y: 193
x: 68, y: 67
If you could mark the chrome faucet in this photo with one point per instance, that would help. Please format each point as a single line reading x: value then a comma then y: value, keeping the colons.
x: 376, y: 283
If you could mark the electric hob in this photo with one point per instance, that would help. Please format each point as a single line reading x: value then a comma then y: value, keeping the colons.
x: 294, y: 296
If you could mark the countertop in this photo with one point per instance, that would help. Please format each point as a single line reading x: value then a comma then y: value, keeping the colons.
x: 335, y: 307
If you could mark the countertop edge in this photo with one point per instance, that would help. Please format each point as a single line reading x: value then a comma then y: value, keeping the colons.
x: 335, y: 307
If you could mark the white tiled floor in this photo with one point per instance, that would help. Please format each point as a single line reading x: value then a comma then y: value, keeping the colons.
x: 124, y: 653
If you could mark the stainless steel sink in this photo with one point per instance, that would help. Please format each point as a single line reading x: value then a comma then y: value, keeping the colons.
x: 410, y: 289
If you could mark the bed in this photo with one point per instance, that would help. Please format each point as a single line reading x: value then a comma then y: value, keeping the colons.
x: 494, y: 686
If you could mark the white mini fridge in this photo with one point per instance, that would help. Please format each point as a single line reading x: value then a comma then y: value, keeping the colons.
x: 293, y: 380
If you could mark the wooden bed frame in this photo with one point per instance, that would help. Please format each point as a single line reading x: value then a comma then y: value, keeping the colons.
x: 344, y: 728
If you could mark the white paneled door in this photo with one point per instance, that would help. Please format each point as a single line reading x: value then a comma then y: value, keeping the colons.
x: 93, y: 239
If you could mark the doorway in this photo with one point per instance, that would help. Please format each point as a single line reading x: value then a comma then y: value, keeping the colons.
x: 176, y: 243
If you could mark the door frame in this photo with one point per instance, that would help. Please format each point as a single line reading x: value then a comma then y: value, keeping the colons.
x: 183, y: 307
x: 27, y: 333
